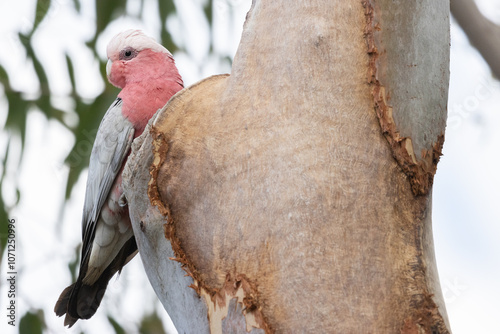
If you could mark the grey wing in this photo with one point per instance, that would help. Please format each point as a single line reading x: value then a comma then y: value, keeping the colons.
x: 111, y: 147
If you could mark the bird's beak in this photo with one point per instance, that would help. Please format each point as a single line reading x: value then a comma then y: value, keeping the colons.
x: 108, y: 67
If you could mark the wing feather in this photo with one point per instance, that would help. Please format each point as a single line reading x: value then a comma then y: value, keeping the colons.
x: 111, y: 147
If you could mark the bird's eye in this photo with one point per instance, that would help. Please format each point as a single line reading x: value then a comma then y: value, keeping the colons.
x: 128, y: 53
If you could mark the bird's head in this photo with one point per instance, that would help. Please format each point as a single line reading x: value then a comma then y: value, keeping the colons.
x: 136, y: 57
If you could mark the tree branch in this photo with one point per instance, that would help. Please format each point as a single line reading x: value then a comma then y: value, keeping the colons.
x: 483, y: 34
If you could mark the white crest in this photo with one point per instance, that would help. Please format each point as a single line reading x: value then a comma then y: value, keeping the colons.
x: 135, y: 39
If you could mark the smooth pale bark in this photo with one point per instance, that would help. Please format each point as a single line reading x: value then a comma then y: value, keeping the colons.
x: 295, y: 194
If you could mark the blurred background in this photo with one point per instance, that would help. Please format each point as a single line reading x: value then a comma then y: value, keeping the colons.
x: 53, y: 94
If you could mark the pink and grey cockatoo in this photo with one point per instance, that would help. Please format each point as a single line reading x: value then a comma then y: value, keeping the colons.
x: 147, y: 74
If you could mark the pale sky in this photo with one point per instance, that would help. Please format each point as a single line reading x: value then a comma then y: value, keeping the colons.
x: 466, y: 215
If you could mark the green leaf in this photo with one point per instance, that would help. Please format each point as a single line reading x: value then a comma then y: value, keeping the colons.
x: 25, y: 40
x: 118, y: 329
x: 18, y: 108
x: 105, y: 11
x: 73, y: 265
x: 71, y: 71
x: 141, y: 11
x: 42, y: 7
x: 90, y: 118
x: 43, y: 102
x: 77, y: 5
x: 166, y: 8
x: 4, y: 223
x: 18, y: 196
x: 32, y: 323
x: 152, y: 324
x: 208, y: 9
x: 4, y: 78
x: 17, y: 114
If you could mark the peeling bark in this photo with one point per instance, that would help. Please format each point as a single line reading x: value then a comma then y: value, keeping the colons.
x: 388, y: 69
x: 294, y: 195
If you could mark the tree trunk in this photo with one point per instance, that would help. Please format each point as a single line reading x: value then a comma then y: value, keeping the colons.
x: 294, y: 196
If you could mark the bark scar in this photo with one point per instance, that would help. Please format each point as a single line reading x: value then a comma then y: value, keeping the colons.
x: 424, y: 314
x: 240, y: 288
x: 217, y: 300
x: 420, y: 170
x: 160, y: 149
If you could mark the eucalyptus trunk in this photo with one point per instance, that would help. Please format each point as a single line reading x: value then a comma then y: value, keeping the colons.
x: 294, y: 195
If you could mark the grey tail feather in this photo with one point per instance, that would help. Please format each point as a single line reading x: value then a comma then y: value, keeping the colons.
x: 62, y: 305
x: 62, y: 302
x: 80, y: 301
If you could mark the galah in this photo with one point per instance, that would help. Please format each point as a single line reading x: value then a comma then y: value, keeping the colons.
x: 148, y: 77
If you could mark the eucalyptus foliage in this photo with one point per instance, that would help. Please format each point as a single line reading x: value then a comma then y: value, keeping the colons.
x: 89, y: 115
